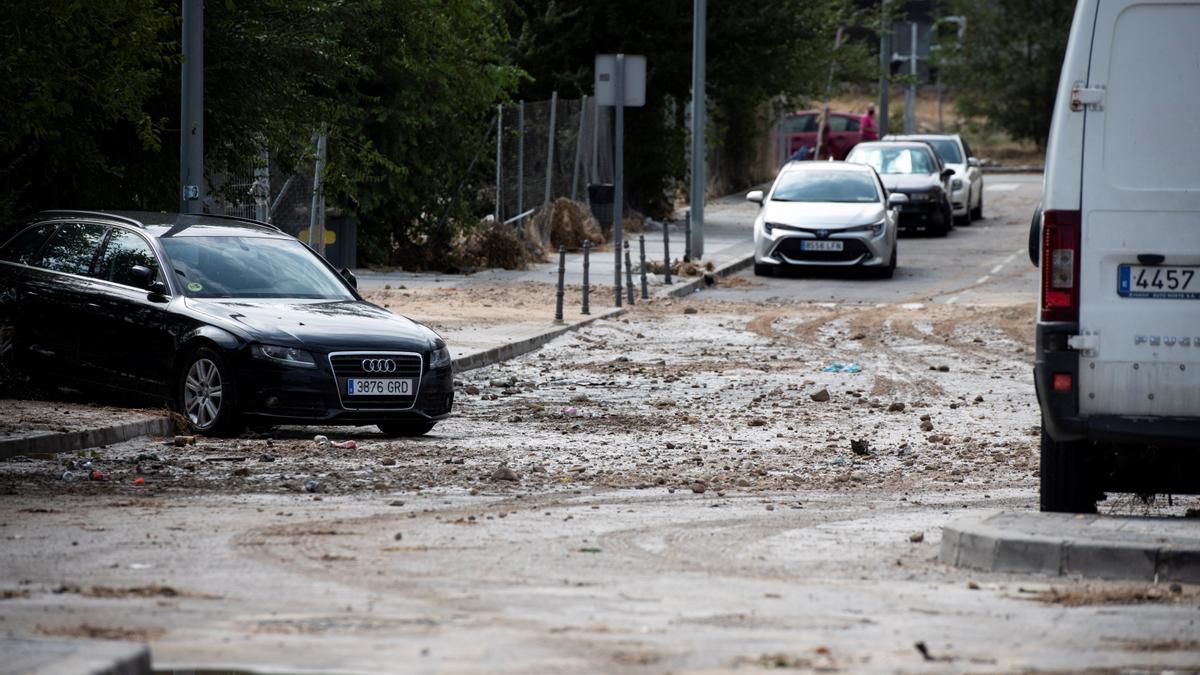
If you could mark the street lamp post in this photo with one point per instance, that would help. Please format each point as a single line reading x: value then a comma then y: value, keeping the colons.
x: 191, y: 110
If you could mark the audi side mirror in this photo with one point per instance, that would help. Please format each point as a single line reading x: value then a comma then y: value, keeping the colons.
x: 141, y: 275
x: 349, y: 277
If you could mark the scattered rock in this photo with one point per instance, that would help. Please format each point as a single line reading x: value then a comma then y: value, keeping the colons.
x: 472, y: 390
x: 244, y: 471
x: 398, y: 536
x: 757, y: 422
x: 504, y: 472
x: 860, y: 447
x: 916, y: 537
x: 972, y: 585
x: 388, y: 461
x: 689, y: 310
x: 979, y: 399
x: 926, y: 426
x: 699, y: 487
x: 314, y: 485
x: 396, y: 503
x: 181, y: 441
x: 820, y: 396
x: 266, y: 458
x: 896, y: 407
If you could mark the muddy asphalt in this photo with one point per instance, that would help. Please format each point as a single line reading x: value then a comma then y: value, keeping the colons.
x: 689, y: 488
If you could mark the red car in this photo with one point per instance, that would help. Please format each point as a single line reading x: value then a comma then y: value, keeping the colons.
x: 843, y: 133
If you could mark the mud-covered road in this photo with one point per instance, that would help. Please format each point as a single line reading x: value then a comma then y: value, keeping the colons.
x: 751, y: 478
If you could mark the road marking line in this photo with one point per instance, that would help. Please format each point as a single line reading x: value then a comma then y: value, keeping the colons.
x: 1012, y: 257
x: 996, y: 269
x: 982, y: 280
x: 912, y: 305
x: 1002, y: 187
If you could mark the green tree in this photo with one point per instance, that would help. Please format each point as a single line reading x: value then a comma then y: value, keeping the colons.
x: 1007, y: 67
x: 74, y: 108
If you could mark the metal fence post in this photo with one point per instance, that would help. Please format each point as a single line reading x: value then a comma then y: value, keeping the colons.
x: 521, y: 157
x: 579, y: 145
x: 316, y: 217
x: 587, y: 249
x: 667, y: 252
x: 642, y: 244
x: 628, y: 276
x: 562, y: 271
x: 687, y: 238
x: 550, y: 153
x: 499, y: 162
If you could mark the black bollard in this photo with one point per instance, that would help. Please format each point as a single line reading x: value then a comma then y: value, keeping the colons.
x: 562, y: 272
x: 642, y: 244
x: 587, y: 248
x: 687, y: 236
x: 666, y: 253
x: 628, y: 276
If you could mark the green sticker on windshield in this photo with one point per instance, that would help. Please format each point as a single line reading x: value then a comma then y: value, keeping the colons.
x: 195, y: 287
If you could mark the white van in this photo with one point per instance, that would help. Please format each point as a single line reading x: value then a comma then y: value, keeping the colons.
x: 1118, y: 332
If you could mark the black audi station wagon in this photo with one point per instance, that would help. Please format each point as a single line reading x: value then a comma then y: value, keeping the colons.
x: 229, y: 320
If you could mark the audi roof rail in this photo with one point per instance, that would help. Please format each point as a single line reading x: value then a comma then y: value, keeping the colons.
x: 242, y: 219
x: 69, y: 213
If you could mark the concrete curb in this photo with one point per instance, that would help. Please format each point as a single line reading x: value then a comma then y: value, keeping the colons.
x: 511, y: 350
x: 1023, y: 168
x: 979, y: 542
x: 72, y: 657
x: 728, y: 269
x: 88, y: 438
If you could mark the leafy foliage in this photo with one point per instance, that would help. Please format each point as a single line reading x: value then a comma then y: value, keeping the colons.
x: 1008, y: 66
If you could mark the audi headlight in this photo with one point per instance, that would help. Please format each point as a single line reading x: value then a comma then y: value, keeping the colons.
x: 439, y: 358
x: 285, y: 355
x: 956, y: 184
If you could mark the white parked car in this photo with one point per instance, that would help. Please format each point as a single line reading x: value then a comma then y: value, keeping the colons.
x: 1118, y: 333
x: 966, y: 187
x: 826, y: 214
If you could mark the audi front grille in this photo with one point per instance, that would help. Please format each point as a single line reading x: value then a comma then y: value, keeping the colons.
x: 376, y: 365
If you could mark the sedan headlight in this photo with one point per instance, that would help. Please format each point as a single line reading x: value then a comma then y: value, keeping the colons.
x: 875, y: 229
x: 440, y: 357
x: 285, y: 355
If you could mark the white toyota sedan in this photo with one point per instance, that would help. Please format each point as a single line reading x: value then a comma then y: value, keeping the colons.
x: 826, y: 214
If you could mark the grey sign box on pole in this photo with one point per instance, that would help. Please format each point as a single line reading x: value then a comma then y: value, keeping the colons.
x: 635, y: 80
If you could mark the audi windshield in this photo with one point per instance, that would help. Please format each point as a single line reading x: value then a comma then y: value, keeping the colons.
x: 251, y: 267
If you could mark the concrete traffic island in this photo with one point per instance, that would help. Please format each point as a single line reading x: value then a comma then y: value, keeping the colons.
x: 1060, y: 544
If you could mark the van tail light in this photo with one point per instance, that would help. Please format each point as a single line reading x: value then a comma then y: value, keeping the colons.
x: 1060, y: 266
x: 1063, y: 382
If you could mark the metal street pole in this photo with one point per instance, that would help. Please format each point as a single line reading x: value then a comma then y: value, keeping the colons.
x: 316, y: 222
x: 550, y: 143
x: 521, y: 157
x: 885, y: 71
x: 191, y: 110
x: 698, y: 99
x: 619, y: 173
x: 910, y: 96
x: 499, y: 163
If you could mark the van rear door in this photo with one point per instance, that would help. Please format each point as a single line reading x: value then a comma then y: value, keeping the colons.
x: 1139, y: 280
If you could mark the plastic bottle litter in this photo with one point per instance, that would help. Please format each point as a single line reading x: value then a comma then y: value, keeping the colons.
x: 139, y: 481
x: 69, y: 476
x: 321, y: 441
x: 839, y: 367
x: 98, y: 475
x: 344, y: 445
x: 181, y: 441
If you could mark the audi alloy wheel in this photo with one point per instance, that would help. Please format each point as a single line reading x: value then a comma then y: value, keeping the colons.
x: 206, y: 395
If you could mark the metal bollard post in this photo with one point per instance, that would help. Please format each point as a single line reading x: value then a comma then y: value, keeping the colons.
x: 628, y: 276
x: 642, y: 244
x: 667, y: 252
x: 562, y: 271
x: 687, y: 236
x: 587, y: 248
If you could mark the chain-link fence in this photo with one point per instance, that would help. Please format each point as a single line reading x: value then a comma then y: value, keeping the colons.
x: 550, y: 149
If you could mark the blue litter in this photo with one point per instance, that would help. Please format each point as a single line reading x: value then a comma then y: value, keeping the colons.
x: 839, y: 367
